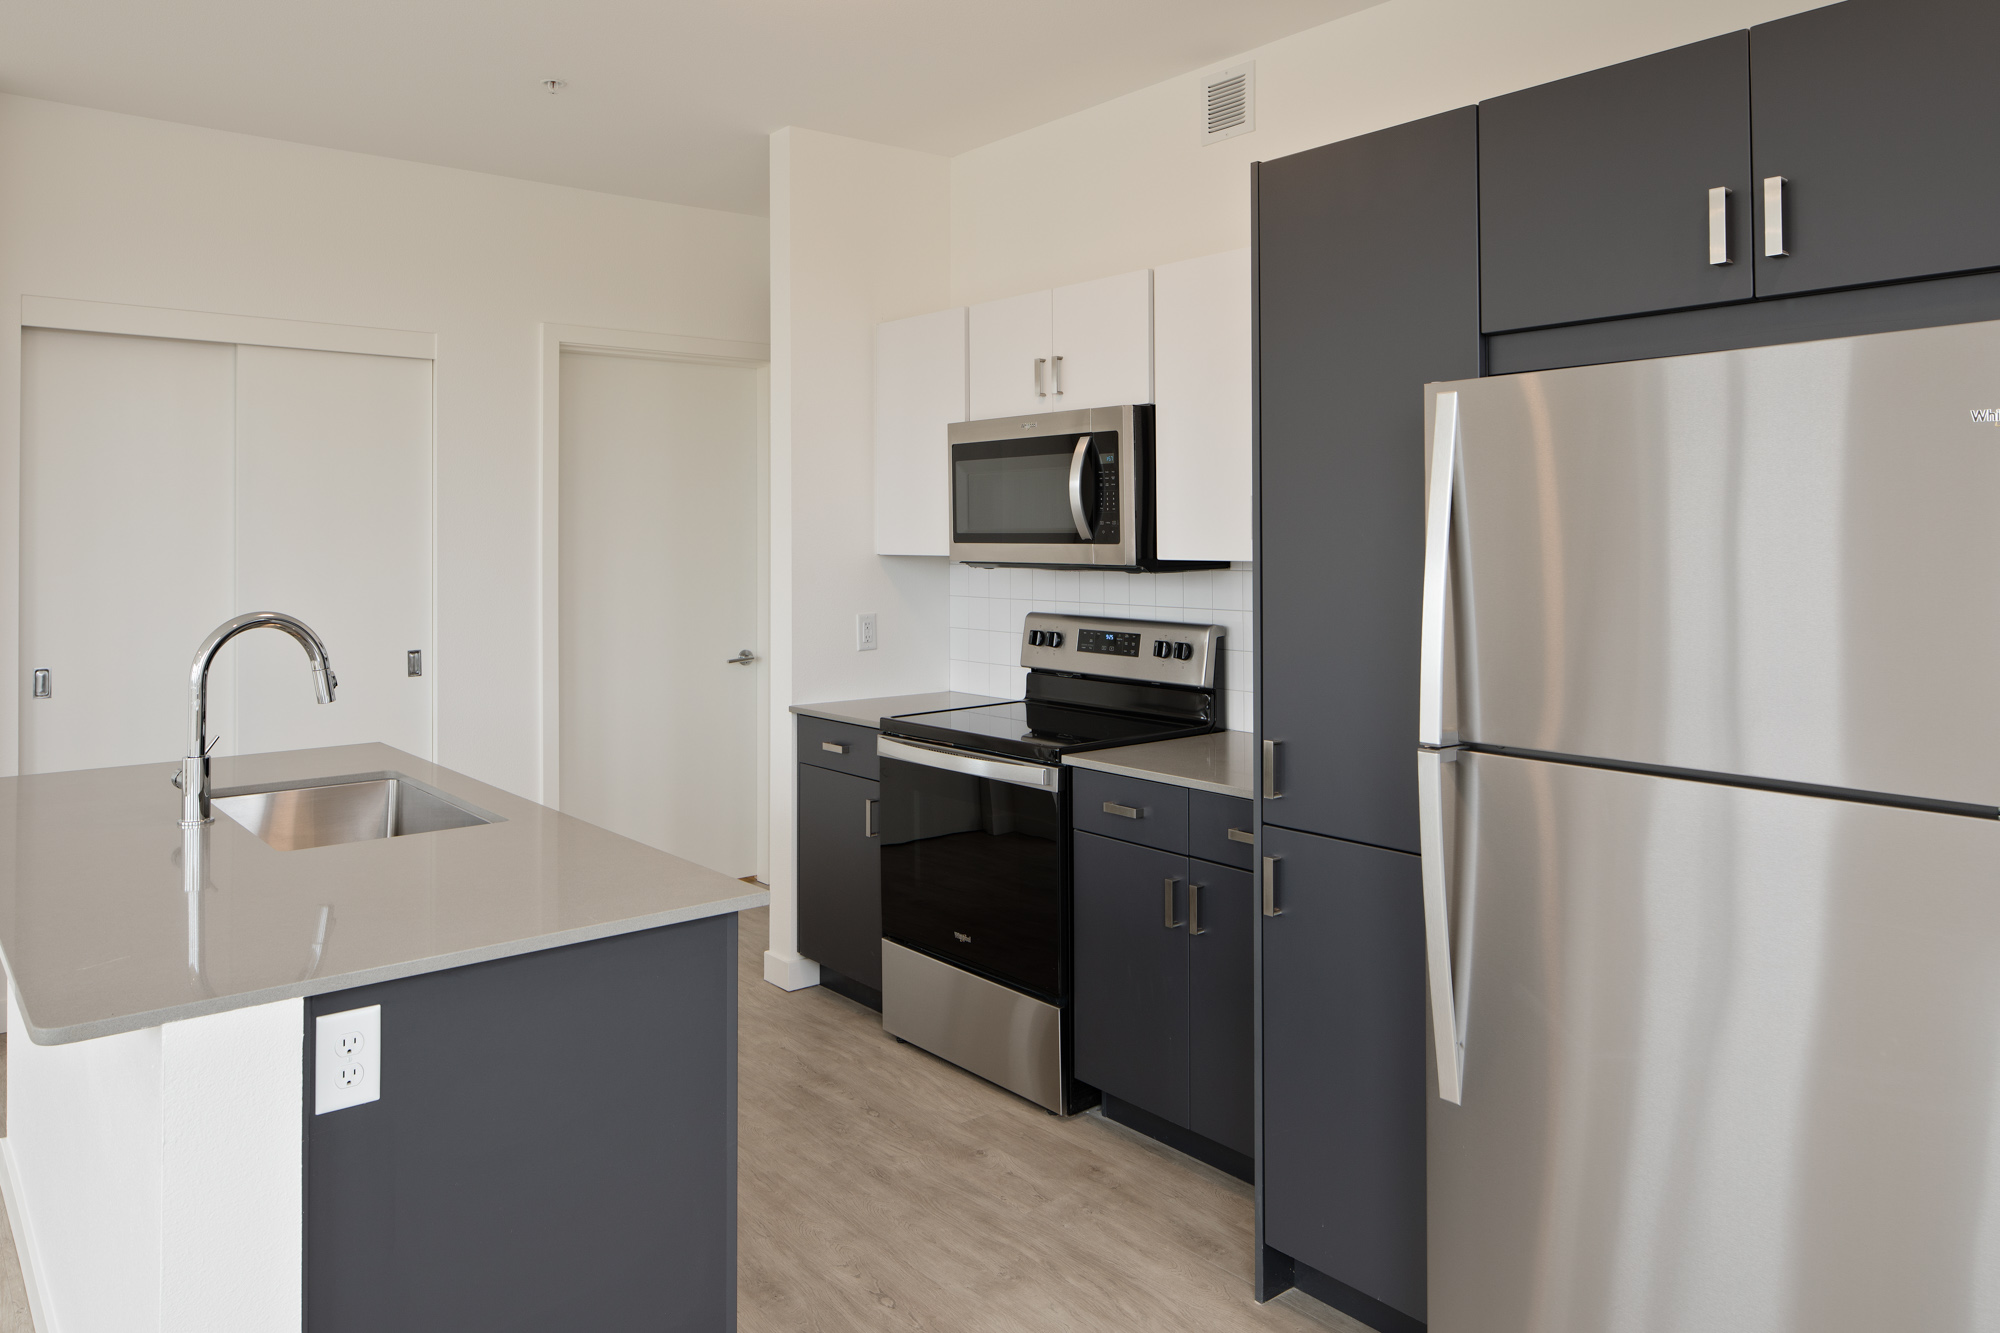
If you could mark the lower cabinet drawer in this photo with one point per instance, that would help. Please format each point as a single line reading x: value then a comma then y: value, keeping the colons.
x: 1220, y: 829
x: 1152, y: 813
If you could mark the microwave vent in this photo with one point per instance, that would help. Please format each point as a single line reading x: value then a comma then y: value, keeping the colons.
x: 1229, y: 102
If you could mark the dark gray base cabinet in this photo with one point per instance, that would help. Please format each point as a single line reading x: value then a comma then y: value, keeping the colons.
x: 839, y: 858
x: 1164, y: 987
x: 1344, y: 1071
x: 555, y: 1146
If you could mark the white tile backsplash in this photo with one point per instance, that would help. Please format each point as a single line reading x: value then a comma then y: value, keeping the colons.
x: 989, y: 606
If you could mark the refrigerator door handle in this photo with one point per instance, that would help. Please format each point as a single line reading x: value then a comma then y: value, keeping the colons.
x: 1437, y: 553
x: 1437, y: 926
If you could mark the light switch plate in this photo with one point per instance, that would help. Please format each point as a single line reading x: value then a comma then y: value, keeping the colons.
x: 347, y: 1059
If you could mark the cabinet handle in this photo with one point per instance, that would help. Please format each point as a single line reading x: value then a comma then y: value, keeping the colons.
x: 1167, y: 893
x: 1194, y: 909
x: 833, y: 747
x: 1040, y: 392
x: 1271, y: 792
x: 868, y: 804
x: 1242, y: 835
x: 1718, y: 225
x: 1123, y: 811
x: 1271, y: 907
x: 1774, y: 216
x: 1055, y: 375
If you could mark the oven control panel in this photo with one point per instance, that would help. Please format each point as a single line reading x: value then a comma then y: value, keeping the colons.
x: 1161, y: 651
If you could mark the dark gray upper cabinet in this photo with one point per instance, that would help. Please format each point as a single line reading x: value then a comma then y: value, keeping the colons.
x: 1594, y: 190
x: 1221, y: 990
x: 1881, y: 121
x: 840, y: 872
x: 1367, y: 255
x: 1132, y: 973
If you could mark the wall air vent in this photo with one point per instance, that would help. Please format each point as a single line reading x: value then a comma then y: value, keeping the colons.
x: 1229, y: 102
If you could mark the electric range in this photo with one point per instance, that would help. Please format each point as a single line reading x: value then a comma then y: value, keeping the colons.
x: 975, y: 826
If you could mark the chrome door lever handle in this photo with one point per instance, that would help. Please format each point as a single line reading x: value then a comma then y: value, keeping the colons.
x: 744, y: 657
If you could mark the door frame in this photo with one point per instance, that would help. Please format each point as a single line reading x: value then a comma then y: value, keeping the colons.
x: 555, y: 340
x: 74, y: 316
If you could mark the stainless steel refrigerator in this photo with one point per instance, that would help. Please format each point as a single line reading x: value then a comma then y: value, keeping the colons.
x: 1710, y: 756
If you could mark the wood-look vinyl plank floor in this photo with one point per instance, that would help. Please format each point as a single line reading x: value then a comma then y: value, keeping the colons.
x: 883, y: 1189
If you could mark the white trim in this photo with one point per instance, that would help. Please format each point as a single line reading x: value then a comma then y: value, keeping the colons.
x: 790, y: 971
x: 55, y: 312
x: 25, y: 1248
x: 556, y: 338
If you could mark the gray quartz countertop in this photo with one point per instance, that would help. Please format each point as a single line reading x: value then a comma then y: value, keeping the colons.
x: 870, y: 712
x: 100, y: 936
x: 1221, y: 761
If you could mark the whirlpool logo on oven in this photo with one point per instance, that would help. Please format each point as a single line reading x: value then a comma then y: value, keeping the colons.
x: 961, y: 938
x: 1988, y: 415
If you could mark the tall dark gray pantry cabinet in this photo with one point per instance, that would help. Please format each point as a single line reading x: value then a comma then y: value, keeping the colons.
x: 1564, y: 225
x: 1367, y: 256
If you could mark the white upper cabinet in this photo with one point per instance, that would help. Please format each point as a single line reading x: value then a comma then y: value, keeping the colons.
x: 1201, y: 346
x: 919, y: 390
x: 1103, y: 342
x: 1011, y: 343
x: 1086, y: 345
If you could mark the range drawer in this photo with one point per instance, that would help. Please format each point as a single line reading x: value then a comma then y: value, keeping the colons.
x: 840, y: 746
x: 1154, y: 814
x: 1211, y: 820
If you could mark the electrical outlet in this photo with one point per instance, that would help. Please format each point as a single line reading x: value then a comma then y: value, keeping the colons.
x: 864, y: 632
x: 347, y: 1059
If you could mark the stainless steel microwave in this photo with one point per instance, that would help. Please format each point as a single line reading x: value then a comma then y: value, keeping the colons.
x: 1059, y: 490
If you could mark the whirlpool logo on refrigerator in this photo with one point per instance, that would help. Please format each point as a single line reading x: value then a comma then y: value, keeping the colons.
x: 1989, y: 415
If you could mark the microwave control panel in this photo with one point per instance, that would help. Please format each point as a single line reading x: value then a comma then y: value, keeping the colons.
x: 1104, y: 523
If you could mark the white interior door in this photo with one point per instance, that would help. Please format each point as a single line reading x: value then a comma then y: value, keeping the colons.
x: 333, y: 522
x: 658, y: 586
x: 126, y: 542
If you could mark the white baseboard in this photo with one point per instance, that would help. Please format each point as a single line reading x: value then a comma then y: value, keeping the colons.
x: 25, y: 1247
x: 789, y: 971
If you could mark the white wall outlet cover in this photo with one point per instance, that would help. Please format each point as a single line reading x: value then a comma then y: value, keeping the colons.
x: 864, y: 632
x: 347, y: 1059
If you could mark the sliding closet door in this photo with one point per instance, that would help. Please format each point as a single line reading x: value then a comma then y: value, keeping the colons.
x: 126, y: 542
x: 333, y: 524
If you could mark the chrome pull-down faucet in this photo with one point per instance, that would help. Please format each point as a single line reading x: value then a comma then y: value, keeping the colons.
x: 193, y: 776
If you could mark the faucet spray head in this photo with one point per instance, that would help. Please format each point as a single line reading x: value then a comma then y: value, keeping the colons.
x: 325, y: 683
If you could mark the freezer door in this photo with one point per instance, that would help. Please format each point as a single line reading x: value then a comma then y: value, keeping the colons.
x: 1732, y: 1062
x: 1781, y: 562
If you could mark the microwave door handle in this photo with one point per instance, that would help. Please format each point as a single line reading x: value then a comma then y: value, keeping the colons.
x: 1076, y: 461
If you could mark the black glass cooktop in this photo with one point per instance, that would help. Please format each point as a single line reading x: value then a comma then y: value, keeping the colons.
x: 1035, y: 729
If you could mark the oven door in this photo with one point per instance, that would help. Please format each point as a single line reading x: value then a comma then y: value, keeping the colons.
x: 1053, y: 490
x: 972, y: 863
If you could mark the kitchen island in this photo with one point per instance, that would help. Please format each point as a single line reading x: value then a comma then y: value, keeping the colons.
x: 553, y: 1143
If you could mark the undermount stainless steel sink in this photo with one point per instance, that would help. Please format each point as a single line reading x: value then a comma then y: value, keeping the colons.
x: 345, y: 809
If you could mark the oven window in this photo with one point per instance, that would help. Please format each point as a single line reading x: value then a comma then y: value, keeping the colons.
x: 972, y: 873
x: 1018, y: 490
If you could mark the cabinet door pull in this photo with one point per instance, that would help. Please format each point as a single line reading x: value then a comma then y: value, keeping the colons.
x: 1271, y: 792
x: 1774, y: 216
x: 833, y: 747
x: 868, y: 828
x: 1718, y: 225
x: 1242, y: 835
x: 1055, y: 375
x: 1040, y: 392
x: 1194, y: 909
x: 1167, y: 895
x: 1123, y: 811
x: 1271, y: 907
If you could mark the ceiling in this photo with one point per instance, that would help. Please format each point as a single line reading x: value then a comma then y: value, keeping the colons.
x: 667, y: 99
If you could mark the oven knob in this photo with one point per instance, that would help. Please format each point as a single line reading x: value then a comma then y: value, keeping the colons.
x: 1161, y: 648
x: 1183, y: 651
x: 1034, y: 638
x: 1053, y: 638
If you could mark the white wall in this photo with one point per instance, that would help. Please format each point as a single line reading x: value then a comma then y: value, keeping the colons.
x: 1127, y: 184
x: 105, y: 207
x: 860, y: 233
